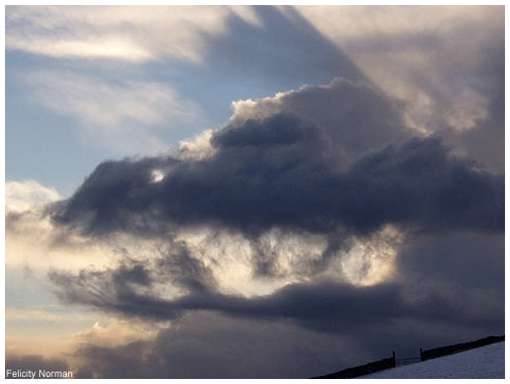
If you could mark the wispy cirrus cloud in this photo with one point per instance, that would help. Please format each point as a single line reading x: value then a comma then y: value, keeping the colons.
x: 135, y: 34
x: 108, y: 47
x: 123, y: 115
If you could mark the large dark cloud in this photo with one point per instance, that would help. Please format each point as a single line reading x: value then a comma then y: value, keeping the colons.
x: 283, y: 170
x: 283, y: 181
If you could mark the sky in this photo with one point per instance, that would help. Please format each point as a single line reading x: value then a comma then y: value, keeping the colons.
x: 271, y: 191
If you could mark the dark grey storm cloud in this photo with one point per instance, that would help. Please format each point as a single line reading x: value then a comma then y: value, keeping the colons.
x: 284, y: 170
x: 280, y: 179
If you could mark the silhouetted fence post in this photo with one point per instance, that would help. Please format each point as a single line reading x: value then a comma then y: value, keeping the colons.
x: 394, y: 360
x: 421, y: 354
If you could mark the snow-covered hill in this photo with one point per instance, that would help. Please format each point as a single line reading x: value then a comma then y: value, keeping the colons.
x: 483, y: 362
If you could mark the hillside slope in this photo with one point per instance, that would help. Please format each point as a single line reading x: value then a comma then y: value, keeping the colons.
x: 479, y: 363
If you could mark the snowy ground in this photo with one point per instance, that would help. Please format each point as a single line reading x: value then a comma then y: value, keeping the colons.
x: 479, y: 363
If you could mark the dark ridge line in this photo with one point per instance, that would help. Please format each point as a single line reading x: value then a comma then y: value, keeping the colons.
x: 456, y: 348
x: 433, y: 353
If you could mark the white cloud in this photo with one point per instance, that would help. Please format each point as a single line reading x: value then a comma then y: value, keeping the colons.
x: 148, y: 33
x: 198, y: 147
x: 122, y: 115
x: 21, y: 196
x: 95, y: 48
x: 115, y: 332
x: 33, y: 241
x: 372, y: 260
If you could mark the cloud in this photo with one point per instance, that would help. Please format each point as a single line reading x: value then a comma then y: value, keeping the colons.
x: 336, y: 108
x: 285, y: 171
x: 131, y: 289
x: 448, y: 84
x: 24, y: 195
x: 35, y: 243
x: 231, y: 335
x: 207, y: 345
x: 326, y: 224
x: 475, y: 258
x: 198, y: 147
x: 314, y: 325
x: 133, y: 34
x: 21, y: 315
x: 99, y: 103
x: 108, y: 48
x: 118, y: 114
x: 275, y: 184
x: 115, y: 332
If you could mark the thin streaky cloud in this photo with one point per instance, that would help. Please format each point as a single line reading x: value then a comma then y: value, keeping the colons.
x: 111, y: 112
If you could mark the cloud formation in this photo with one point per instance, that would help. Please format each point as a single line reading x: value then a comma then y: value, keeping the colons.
x: 101, y: 33
x: 448, y: 84
x: 292, y: 163
x: 326, y: 306
x: 24, y: 195
x: 283, y: 170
